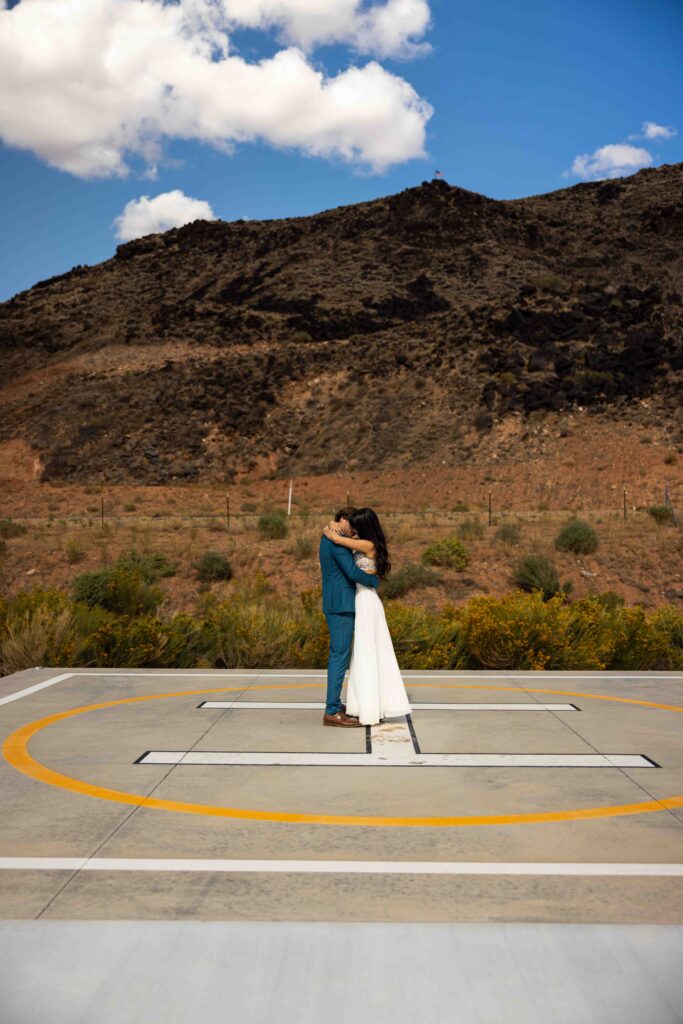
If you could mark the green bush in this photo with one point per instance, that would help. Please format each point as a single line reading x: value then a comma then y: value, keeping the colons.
x: 147, y: 642
x: 508, y: 533
x: 536, y: 572
x: 74, y: 551
x: 117, y: 590
x: 423, y: 640
x: 302, y: 548
x: 213, y: 566
x: 609, y: 599
x: 449, y: 553
x: 553, y: 283
x: 258, y: 629
x: 470, y: 529
x: 273, y: 525
x: 9, y: 529
x: 408, y: 577
x: 578, y: 536
x: 150, y: 565
x: 240, y: 635
x: 661, y: 514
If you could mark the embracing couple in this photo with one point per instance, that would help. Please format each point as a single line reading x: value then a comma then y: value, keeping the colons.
x: 353, y: 560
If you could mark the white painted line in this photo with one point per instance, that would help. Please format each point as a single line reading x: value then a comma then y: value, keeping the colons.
x: 176, y: 673
x: 354, y: 867
x: 34, y: 689
x: 391, y: 742
x: 271, y: 705
x: 394, y: 760
x: 468, y: 677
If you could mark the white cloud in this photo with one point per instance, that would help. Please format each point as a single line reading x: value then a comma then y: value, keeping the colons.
x: 145, y: 216
x: 613, y: 161
x: 389, y: 29
x: 657, y: 131
x: 87, y: 84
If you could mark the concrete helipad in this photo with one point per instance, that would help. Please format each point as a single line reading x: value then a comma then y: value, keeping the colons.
x: 504, y: 801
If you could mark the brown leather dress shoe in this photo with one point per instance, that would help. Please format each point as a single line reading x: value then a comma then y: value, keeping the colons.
x: 341, y: 720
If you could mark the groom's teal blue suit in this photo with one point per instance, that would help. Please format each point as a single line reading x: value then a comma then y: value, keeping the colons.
x: 340, y: 576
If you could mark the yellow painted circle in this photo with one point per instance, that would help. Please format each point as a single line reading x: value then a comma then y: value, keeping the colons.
x: 15, y: 750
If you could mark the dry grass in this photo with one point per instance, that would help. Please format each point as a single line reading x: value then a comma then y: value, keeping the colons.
x: 636, y: 558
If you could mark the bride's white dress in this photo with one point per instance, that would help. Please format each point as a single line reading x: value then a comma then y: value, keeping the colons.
x: 375, y: 689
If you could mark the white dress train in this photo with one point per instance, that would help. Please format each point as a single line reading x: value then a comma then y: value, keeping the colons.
x: 375, y: 689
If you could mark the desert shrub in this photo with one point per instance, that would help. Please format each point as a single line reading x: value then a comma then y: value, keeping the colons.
x: 426, y: 641
x: 449, y: 553
x: 508, y: 533
x: 661, y: 514
x: 310, y: 640
x: 146, y: 642
x: 150, y: 565
x: 3, y: 547
x: 256, y: 628
x: 9, y: 529
x: 30, y: 625
x: 213, y: 566
x: 470, y: 529
x: 30, y: 640
x: 75, y: 551
x: 609, y: 599
x: 129, y: 506
x: 273, y: 525
x: 44, y: 627
x: 624, y: 637
x: 408, y: 577
x: 666, y: 623
x: 117, y: 590
x: 303, y: 547
x: 239, y: 635
x: 523, y: 631
x: 553, y: 283
x: 577, y: 536
x: 536, y: 572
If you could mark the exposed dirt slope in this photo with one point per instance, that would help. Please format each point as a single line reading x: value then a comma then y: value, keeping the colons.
x: 405, y: 330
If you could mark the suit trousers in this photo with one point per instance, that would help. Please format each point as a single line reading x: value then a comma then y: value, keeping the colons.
x: 341, y: 626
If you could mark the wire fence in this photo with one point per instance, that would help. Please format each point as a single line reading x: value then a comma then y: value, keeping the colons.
x: 665, y: 504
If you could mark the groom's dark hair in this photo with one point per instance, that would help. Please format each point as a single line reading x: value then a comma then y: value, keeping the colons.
x: 345, y: 513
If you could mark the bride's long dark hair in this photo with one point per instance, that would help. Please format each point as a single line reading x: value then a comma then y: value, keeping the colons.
x: 365, y: 523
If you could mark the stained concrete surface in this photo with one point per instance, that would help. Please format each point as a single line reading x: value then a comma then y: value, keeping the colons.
x: 110, y: 946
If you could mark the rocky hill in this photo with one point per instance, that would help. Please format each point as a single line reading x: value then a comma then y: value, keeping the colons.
x: 381, y: 334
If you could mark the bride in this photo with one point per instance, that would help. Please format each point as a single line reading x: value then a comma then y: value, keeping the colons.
x: 375, y: 689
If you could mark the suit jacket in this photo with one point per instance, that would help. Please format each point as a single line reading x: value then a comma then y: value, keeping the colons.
x: 340, y: 575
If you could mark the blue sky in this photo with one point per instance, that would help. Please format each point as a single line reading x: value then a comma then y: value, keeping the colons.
x: 518, y: 90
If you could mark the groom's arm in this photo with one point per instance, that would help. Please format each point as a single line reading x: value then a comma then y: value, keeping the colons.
x: 344, y: 560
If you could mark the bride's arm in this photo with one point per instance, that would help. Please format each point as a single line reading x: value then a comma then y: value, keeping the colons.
x: 355, y: 543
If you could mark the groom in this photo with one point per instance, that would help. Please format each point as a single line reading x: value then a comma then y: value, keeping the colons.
x: 340, y: 576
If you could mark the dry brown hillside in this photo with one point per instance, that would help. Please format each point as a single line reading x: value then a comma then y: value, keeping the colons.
x: 433, y: 330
